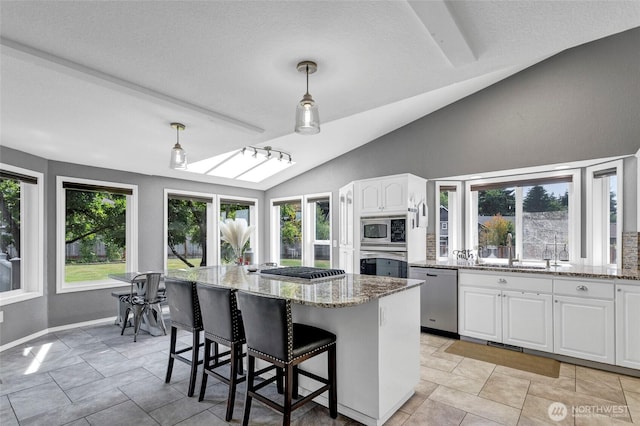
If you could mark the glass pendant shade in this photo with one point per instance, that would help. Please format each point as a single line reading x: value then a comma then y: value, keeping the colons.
x: 178, y: 158
x: 307, y: 116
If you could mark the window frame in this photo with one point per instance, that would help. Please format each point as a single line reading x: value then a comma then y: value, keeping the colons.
x: 131, y: 237
x: 597, y: 228
x: 31, y: 239
x: 254, y: 240
x: 212, y: 225
x: 274, y: 228
x: 454, y: 226
x: 574, y: 234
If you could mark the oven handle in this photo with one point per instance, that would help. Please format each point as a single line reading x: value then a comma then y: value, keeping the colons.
x: 393, y: 255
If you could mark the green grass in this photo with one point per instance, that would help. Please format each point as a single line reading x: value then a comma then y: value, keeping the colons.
x: 297, y: 262
x: 179, y: 264
x: 76, y: 272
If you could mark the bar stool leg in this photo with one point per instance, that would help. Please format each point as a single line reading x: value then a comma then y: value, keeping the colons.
x: 251, y: 365
x: 333, y: 380
x: 194, y: 363
x: 233, y: 380
x: 205, y: 365
x: 172, y: 351
x: 288, y: 394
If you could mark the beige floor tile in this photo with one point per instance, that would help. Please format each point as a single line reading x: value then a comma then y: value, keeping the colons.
x: 577, y: 401
x: 475, y: 405
x: 608, y: 390
x: 593, y: 375
x: 427, y: 349
x: 454, y: 381
x: 633, y: 402
x: 567, y: 370
x: 437, y: 363
x: 596, y: 420
x: 528, y: 421
x: 440, y: 353
x: 435, y: 413
x: 423, y: 390
x: 473, y: 420
x: 433, y: 340
x: 629, y: 383
x: 398, y: 419
x: 507, y: 390
x: 474, y: 369
x: 562, y: 382
x: 536, y: 411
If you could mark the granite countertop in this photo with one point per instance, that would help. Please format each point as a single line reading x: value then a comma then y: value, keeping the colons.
x: 582, y: 271
x: 331, y: 292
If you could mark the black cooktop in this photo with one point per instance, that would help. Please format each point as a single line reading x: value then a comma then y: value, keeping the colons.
x: 305, y: 272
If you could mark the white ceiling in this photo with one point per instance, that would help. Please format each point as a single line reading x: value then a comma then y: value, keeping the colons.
x: 98, y: 82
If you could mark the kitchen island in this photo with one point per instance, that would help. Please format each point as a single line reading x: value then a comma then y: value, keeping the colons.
x: 376, y: 321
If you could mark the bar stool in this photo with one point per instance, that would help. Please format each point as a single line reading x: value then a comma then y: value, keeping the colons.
x: 273, y: 337
x: 222, y: 323
x: 184, y: 310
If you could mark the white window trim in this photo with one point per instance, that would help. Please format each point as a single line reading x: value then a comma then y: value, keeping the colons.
x: 274, y: 228
x: 32, y: 240
x: 574, y: 237
x: 254, y: 240
x: 597, y: 255
x: 309, y: 229
x: 212, y: 224
x: 455, y: 217
x: 131, y: 238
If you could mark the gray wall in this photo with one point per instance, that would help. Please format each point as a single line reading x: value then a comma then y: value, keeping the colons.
x: 578, y: 105
x: 25, y: 318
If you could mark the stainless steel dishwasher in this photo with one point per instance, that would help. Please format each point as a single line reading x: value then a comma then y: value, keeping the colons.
x: 438, y: 300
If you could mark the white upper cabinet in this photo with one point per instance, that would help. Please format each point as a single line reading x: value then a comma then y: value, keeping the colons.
x: 385, y: 195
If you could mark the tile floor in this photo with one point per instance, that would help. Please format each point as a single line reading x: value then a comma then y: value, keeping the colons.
x: 92, y: 375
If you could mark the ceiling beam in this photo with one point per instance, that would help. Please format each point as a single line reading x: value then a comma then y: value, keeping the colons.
x: 74, y: 69
x: 440, y: 23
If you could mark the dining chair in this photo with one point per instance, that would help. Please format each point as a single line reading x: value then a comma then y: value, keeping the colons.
x: 144, y: 298
x: 272, y: 336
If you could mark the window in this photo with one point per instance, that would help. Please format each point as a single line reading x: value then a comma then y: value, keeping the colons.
x: 541, y: 212
x: 239, y: 208
x: 21, y: 234
x: 604, y: 214
x: 189, y: 229
x: 318, y: 224
x: 286, y: 241
x: 449, y: 218
x: 96, y: 233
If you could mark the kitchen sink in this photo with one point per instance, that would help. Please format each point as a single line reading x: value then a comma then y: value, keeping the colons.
x: 505, y: 266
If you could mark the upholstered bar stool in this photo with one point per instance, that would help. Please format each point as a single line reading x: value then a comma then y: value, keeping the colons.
x: 222, y: 325
x: 184, y: 310
x: 273, y: 337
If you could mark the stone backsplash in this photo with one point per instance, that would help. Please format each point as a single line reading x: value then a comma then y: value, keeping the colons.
x: 431, y: 246
x: 630, y: 252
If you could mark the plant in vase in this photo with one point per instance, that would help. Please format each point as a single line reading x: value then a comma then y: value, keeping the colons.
x: 236, y: 233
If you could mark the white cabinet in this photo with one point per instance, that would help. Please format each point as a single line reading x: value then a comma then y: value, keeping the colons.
x: 385, y: 195
x: 628, y: 325
x: 584, y: 319
x: 514, y: 309
x: 346, y: 219
x: 346, y: 260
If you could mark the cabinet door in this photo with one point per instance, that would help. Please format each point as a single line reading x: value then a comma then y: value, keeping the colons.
x: 394, y: 195
x: 527, y: 320
x: 628, y: 326
x: 480, y: 313
x: 370, y: 197
x: 346, y: 260
x: 346, y: 215
x: 584, y: 328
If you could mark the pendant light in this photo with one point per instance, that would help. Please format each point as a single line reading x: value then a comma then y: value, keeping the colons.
x: 178, y: 155
x: 307, y: 116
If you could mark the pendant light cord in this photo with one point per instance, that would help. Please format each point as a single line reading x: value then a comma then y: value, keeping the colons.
x: 307, y: 66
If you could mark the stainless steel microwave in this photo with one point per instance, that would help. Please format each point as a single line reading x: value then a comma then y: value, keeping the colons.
x: 383, y: 230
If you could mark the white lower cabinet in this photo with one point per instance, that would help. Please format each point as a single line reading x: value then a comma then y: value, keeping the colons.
x: 511, y: 309
x: 345, y: 261
x: 583, y: 324
x: 628, y: 325
x: 527, y: 320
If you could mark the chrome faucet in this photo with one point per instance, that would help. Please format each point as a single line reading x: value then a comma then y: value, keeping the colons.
x: 510, y: 249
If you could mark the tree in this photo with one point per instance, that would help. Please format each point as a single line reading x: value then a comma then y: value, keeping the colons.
x: 494, y: 231
x: 323, y: 226
x: 613, y: 207
x: 539, y: 200
x: 187, y: 220
x: 92, y: 216
x: 290, y: 224
x: 9, y: 215
x: 497, y: 201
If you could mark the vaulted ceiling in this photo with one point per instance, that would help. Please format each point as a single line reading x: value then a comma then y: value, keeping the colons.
x: 99, y: 82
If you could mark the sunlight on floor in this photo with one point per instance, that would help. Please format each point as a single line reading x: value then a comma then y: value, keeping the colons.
x: 39, y: 358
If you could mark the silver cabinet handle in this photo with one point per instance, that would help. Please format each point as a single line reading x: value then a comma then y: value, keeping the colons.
x: 582, y: 288
x: 502, y: 281
x: 619, y: 289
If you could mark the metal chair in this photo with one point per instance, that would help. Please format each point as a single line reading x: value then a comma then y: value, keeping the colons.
x: 222, y: 323
x: 273, y: 337
x: 184, y: 309
x: 143, y: 298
